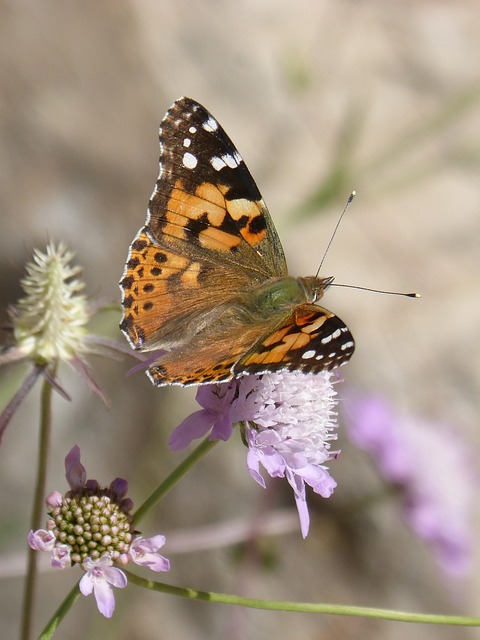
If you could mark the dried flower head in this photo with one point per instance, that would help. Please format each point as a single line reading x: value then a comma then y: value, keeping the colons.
x: 49, y: 322
x: 49, y: 325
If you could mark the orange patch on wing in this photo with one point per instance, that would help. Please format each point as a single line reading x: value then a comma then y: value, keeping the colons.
x: 277, y: 336
x: 189, y: 277
x: 218, y: 240
x: 304, y: 322
x: 207, y: 199
x: 243, y: 208
x: 277, y: 354
x: 214, y: 202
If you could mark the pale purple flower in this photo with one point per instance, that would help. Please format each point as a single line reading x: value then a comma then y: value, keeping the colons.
x: 100, y: 577
x: 41, y: 540
x: 54, y: 499
x: 216, y: 401
x: 288, y: 421
x: 61, y: 556
x: 430, y: 465
x: 143, y: 551
x: 75, y: 472
x: 100, y: 516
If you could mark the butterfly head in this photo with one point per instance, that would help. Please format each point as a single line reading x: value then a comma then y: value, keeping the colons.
x: 315, y: 287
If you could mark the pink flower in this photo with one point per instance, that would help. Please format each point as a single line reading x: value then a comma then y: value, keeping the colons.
x: 293, y: 420
x: 216, y: 414
x: 61, y: 558
x: 41, y: 540
x: 288, y: 421
x: 143, y: 551
x: 74, y: 470
x: 100, y: 576
x: 74, y: 518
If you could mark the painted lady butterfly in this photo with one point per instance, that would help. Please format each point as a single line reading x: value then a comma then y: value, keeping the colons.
x: 206, y: 281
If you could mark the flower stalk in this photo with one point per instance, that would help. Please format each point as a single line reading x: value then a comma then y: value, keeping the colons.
x: 37, y: 507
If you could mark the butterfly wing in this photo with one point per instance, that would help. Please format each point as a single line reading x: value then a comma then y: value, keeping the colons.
x: 309, y: 339
x: 208, y: 234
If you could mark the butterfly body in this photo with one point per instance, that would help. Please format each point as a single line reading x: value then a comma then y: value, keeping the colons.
x: 206, y: 279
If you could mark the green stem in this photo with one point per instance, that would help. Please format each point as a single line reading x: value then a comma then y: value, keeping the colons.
x: 60, y: 613
x: 305, y: 607
x: 197, y: 454
x: 37, y: 507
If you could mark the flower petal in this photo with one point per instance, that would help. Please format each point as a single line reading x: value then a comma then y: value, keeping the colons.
x: 41, y: 540
x: 74, y: 470
x: 143, y: 552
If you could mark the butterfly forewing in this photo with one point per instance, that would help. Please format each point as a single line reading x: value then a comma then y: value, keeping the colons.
x: 205, y: 200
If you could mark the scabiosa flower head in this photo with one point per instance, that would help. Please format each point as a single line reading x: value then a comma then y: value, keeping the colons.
x: 429, y: 465
x: 288, y: 421
x: 92, y: 527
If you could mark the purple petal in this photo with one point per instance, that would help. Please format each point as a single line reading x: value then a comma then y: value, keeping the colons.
x: 74, y: 470
x: 41, y: 540
x: 195, y: 426
x: 303, y: 514
x: 54, y: 499
x: 222, y: 428
x: 253, y: 465
x: 119, y: 486
x: 116, y: 577
x: 319, y: 479
x: 86, y: 584
x: 104, y: 598
x: 143, y: 552
x: 61, y: 556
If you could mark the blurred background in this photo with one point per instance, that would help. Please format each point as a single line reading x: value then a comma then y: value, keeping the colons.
x: 321, y: 98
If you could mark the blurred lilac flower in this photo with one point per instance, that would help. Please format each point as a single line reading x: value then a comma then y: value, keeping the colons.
x: 430, y: 465
x: 92, y: 526
x: 288, y: 421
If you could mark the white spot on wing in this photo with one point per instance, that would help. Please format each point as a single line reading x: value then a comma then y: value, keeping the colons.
x: 187, y: 142
x: 210, y: 125
x: 192, y: 130
x: 217, y: 163
x: 189, y: 160
x: 308, y: 354
x: 230, y: 161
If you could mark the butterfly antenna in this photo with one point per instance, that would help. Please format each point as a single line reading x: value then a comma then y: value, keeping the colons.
x: 390, y: 293
x: 350, y: 199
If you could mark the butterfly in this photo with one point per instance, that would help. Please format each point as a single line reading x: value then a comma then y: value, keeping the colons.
x: 205, y: 286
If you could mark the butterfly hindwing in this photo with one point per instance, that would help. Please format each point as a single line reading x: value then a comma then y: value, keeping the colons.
x: 310, y: 339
